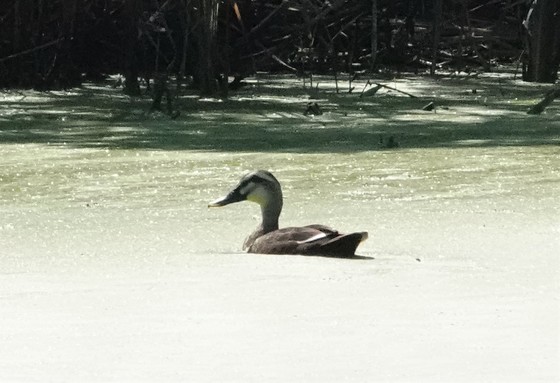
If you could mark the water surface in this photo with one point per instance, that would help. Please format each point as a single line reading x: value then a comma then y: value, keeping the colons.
x: 113, y: 268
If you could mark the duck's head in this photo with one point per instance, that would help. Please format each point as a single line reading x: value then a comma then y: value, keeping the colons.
x: 259, y: 186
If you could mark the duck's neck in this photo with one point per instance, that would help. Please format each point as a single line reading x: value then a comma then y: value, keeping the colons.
x: 270, y: 213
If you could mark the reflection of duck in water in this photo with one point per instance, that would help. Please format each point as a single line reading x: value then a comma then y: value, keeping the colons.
x: 263, y: 188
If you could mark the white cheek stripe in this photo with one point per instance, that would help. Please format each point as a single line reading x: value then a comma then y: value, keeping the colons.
x: 245, y: 190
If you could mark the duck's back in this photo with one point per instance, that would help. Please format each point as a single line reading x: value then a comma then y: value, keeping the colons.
x: 307, y: 240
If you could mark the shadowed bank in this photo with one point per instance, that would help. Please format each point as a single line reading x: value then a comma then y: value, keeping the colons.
x: 270, y: 117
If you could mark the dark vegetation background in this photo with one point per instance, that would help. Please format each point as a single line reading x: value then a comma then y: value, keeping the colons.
x: 213, y: 44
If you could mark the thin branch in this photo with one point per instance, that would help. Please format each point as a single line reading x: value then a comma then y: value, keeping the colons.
x: 547, y: 100
x: 395, y: 89
x: 31, y: 50
x: 275, y: 58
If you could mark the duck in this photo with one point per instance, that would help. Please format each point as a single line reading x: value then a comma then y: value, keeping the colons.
x: 263, y: 188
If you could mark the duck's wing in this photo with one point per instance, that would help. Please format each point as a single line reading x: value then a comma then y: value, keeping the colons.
x: 287, y: 240
x: 308, y: 240
x: 323, y: 228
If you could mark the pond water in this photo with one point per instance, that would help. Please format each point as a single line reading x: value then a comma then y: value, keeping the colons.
x: 113, y: 268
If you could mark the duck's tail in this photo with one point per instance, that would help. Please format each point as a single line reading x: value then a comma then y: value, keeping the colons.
x: 343, y: 245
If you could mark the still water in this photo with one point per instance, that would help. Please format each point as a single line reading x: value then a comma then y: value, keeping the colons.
x: 113, y: 268
x: 51, y: 193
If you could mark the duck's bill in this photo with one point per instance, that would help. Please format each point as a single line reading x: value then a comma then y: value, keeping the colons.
x: 223, y: 201
x: 219, y: 202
